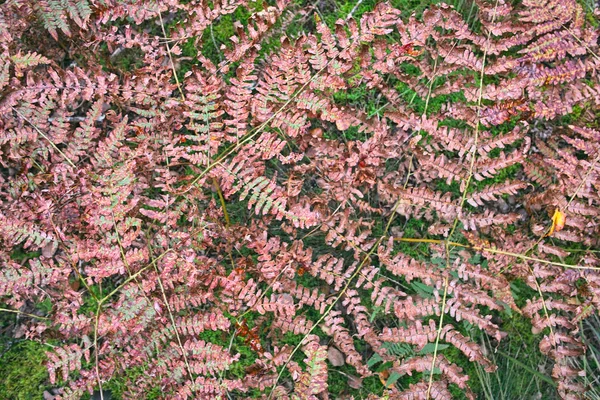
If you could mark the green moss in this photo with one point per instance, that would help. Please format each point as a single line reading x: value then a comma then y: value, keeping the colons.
x: 216, y: 337
x: 20, y: 255
x: 371, y: 385
x: 453, y: 187
x: 220, y: 32
x: 129, y: 59
x: 121, y: 382
x: 247, y: 357
x: 501, y: 176
x: 291, y: 339
x: 337, y: 381
x: 413, y: 228
x: 23, y: 374
x: 353, y: 134
x: 90, y: 305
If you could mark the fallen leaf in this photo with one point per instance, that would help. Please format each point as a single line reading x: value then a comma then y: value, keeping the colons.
x: 335, y: 357
x: 558, y: 222
x: 383, y: 376
x: 342, y: 124
x: 49, y: 250
x: 388, y: 379
x: 354, y: 382
x: 74, y: 285
x: 48, y: 396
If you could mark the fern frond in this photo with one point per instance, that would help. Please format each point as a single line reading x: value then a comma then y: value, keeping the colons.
x: 314, y: 380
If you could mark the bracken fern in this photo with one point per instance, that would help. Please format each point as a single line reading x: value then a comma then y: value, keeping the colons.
x: 123, y: 183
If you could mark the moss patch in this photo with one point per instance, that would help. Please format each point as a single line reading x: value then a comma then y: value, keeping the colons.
x: 23, y: 374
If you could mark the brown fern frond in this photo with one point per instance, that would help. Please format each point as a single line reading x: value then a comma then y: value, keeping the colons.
x: 492, y: 192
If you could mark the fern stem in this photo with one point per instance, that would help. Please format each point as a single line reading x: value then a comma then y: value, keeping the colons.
x: 438, y: 334
x: 225, y: 214
x: 73, y: 266
x: 495, y: 251
x: 584, y: 180
x: 174, y: 324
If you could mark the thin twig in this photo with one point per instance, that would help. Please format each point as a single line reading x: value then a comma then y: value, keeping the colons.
x: 8, y: 310
x: 42, y: 134
x: 96, y: 352
x: 162, y: 26
x: 132, y: 277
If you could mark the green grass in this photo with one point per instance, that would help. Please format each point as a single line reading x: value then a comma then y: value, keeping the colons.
x: 590, y: 329
x: 523, y: 372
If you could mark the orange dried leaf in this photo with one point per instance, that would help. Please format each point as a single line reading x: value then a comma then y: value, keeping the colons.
x: 383, y: 377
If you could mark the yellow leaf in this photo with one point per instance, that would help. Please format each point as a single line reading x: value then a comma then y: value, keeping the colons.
x: 558, y: 222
